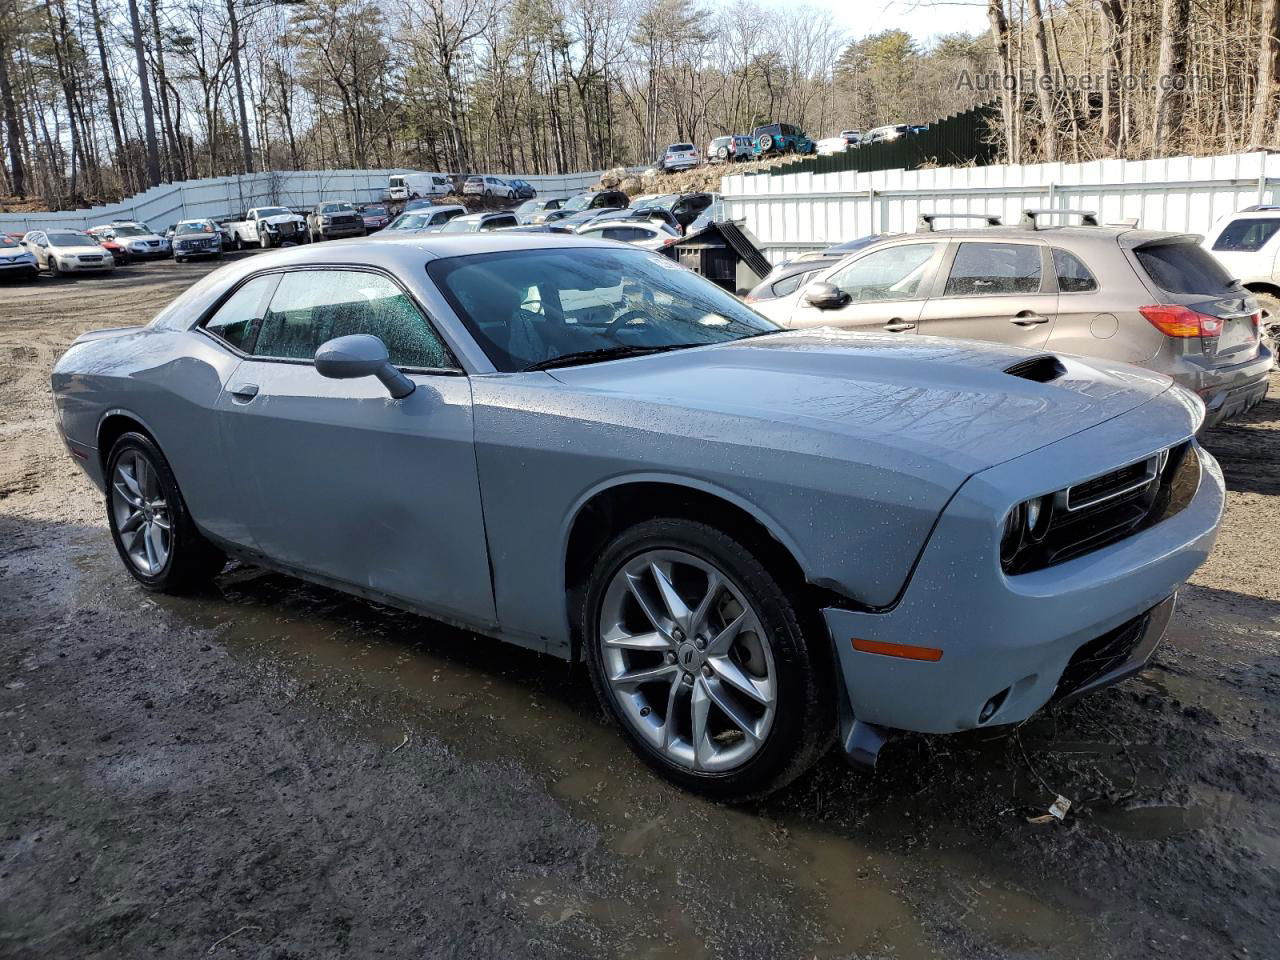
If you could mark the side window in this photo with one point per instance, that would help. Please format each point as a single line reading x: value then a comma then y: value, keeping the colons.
x: 311, y: 307
x: 1073, y: 276
x: 992, y: 269
x: 626, y: 234
x: 1247, y: 235
x: 791, y: 284
x: 895, y: 273
x: 238, y: 319
x: 498, y: 222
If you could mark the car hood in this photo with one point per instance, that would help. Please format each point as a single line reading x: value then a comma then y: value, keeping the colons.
x: 281, y: 218
x: 947, y: 401
x: 83, y: 250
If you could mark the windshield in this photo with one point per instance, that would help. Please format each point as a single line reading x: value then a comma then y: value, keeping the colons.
x: 459, y: 225
x: 375, y: 211
x: 131, y: 232
x: 196, y: 226
x: 9, y: 244
x: 409, y: 221
x: 71, y: 240
x: 529, y: 206
x: 272, y: 212
x: 579, y: 202
x: 528, y: 307
x: 337, y: 208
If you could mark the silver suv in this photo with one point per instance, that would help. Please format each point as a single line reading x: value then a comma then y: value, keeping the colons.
x: 1153, y: 299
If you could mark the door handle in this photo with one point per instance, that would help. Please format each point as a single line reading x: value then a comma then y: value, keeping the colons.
x: 897, y: 326
x: 1028, y: 319
x: 244, y: 393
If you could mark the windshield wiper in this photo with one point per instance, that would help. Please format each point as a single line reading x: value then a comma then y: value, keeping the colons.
x: 602, y: 353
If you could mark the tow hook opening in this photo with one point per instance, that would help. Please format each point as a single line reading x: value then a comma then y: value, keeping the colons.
x: 992, y: 706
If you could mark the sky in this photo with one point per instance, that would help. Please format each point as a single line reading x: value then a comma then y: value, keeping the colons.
x: 920, y: 18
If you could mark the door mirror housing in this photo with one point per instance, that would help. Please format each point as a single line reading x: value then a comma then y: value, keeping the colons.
x: 361, y: 355
x: 825, y: 296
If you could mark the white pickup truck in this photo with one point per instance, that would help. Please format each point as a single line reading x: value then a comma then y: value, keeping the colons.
x: 266, y: 227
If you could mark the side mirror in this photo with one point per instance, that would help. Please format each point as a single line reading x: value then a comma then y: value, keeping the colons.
x: 825, y: 296
x: 361, y: 355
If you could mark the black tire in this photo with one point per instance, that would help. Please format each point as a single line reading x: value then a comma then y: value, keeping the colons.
x: 179, y: 260
x: 53, y: 268
x: 723, y: 153
x: 264, y: 240
x: 804, y: 722
x: 192, y: 560
x: 239, y: 243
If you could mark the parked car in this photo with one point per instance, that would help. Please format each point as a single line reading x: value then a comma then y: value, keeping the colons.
x: 16, y: 261
x: 648, y: 214
x: 1144, y: 297
x: 852, y: 137
x: 139, y: 240
x: 785, y: 279
x: 196, y: 238
x: 267, y: 227
x: 375, y: 216
x: 540, y: 228
x: 679, y: 156
x: 427, y: 219
x: 488, y: 187
x: 829, y: 146
x: 524, y: 189
x: 411, y: 186
x: 728, y: 149
x: 643, y: 233
x: 118, y: 251
x: 1247, y: 244
x: 838, y: 251
x: 598, y: 200
x: 68, y: 251
x: 528, y: 211
x: 575, y: 220
x: 780, y: 138
x: 333, y: 221
x: 480, y: 222
x: 684, y: 207
x: 587, y: 450
x: 890, y: 131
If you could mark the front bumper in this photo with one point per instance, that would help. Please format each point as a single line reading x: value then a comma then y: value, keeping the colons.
x: 23, y: 269
x: 108, y: 262
x: 344, y: 230
x: 149, y: 253
x: 1013, y: 638
x: 197, y: 252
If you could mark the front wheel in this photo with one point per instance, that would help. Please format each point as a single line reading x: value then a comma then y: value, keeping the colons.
x: 264, y: 240
x: 150, y: 526
x: 696, y: 652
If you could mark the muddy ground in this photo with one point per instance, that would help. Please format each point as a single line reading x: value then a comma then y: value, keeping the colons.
x: 272, y: 770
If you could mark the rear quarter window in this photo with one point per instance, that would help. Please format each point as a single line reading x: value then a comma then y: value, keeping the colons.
x: 1184, y: 268
x: 1247, y: 236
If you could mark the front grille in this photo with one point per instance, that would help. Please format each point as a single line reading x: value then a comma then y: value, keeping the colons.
x: 1101, y: 655
x: 286, y: 227
x: 1113, y: 510
x: 91, y: 259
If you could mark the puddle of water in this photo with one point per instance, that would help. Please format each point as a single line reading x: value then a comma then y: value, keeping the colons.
x: 394, y: 674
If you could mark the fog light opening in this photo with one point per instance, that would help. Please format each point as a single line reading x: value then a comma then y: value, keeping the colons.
x: 992, y: 706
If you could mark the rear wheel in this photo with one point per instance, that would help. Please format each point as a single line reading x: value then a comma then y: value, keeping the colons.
x: 697, y: 654
x: 152, y: 530
x: 723, y: 153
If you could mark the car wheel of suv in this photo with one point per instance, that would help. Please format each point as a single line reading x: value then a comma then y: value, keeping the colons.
x: 697, y: 654
x: 53, y: 268
x: 152, y: 530
x: 723, y: 153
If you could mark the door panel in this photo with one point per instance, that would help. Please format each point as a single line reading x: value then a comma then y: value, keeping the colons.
x: 885, y: 287
x: 338, y: 479
x: 995, y: 291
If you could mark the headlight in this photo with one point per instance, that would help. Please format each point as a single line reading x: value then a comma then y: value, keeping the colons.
x: 1026, y: 523
x: 270, y: 227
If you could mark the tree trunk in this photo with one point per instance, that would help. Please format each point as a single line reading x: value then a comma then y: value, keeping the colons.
x: 144, y: 89
x: 1000, y: 41
x: 1044, y: 93
x: 1268, y: 66
x: 1113, y: 55
x: 12, y: 125
x: 1173, y: 50
x: 236, y: 72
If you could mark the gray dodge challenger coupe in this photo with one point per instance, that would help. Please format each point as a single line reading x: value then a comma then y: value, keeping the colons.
x: 759, y: 541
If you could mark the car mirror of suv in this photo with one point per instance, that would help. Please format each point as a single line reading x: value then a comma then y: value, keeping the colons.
x: 825, y: 296
x: 361, y: 355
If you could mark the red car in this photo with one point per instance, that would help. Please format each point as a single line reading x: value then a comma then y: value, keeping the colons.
x: 375, y: 216
x: 118, y: 253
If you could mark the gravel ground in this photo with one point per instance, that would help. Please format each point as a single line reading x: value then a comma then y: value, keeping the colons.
x: 273, y: 770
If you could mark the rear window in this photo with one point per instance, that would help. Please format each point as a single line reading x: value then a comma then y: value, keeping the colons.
x: 1184, y: 268
x: 1247, y: 235
x: 679, y: 147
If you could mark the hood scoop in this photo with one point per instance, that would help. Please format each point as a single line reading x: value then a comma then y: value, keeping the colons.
x: 1042, y: 369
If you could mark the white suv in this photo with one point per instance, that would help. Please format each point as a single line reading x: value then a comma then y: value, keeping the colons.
x: 680, y: 156
x: 1247, y: 244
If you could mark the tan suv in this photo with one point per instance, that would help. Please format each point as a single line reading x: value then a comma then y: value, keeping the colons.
x: 1154, y: 299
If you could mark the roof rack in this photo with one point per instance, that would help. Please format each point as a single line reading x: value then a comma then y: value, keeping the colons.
x: 1087, y: 217
x: 925, y: 223
x: 1253, y: 208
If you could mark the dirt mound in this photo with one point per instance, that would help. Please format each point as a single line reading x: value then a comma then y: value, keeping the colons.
x: 705, y: 178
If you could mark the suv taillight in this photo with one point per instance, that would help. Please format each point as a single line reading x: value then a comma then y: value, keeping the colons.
x: 1176, y: 321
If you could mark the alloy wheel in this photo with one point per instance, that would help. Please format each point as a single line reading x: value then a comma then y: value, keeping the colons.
x: 687, y: 660
x: 141, y: 513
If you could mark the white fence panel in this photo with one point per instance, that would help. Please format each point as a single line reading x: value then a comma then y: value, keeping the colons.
x: 792, y: 213
x: 225, y: 196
